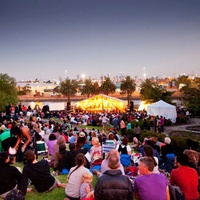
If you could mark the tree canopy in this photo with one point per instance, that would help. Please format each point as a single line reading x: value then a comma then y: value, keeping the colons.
x: 107, y: 86
x: 151, y: 92
x: 8, y: 91
x: 128, y: 86
x: 192, y: 96
x: 89, y: 88
x: 68, y: 88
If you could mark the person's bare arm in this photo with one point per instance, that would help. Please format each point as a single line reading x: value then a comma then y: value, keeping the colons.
x: 27, y: 135
x: 18, y: 142
x: 137, y: 196
x: 167, y: 193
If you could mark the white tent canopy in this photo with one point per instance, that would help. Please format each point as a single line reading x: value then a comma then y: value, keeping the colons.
x: 161, y: 108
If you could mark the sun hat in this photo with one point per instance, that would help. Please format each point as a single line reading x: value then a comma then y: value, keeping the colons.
x: 81, y: 134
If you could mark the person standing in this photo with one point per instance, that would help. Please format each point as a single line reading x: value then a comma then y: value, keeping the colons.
x: 112, y: 184
x: 136, y: 131
x: 122, y: 127
x: 149, y: 185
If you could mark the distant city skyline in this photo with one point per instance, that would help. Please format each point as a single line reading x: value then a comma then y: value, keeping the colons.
x: 51, y: 39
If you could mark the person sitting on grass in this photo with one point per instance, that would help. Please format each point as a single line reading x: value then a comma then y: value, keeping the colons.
x: 86, y: 189
x: 74, y: 179
x: 38, y: 172
x: 10, y: 176
x: 113, y: 185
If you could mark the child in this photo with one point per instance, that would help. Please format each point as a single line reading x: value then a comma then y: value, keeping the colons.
x: 86, y: 189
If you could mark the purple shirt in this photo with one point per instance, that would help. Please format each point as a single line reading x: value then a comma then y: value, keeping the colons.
x: 151, y: 186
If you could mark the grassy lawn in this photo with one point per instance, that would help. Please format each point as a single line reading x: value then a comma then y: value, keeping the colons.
x: 56, y: 194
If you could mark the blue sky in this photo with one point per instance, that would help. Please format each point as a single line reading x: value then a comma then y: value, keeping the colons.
x: 48, y: 39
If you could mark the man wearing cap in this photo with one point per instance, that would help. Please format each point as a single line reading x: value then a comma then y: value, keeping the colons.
x: 10, y: 176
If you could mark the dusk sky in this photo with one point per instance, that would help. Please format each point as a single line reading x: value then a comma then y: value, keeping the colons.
x: 48, y: 39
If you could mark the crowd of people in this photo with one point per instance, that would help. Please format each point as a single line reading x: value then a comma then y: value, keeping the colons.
x: 80, y: 150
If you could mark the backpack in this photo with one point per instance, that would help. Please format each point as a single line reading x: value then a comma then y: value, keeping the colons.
x: 125, y: 160
x: 176, y: 193
x: 131, y: 171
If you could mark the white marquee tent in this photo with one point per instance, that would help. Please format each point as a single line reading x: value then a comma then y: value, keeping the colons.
x: 162, y: 108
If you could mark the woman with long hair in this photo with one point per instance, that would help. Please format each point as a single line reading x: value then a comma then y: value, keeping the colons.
x: 74, y: 179
x: 148, y: 152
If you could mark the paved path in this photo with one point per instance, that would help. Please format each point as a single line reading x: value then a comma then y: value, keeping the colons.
x: 193, y: 122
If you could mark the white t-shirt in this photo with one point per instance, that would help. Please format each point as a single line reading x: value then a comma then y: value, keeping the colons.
x: 72, y: 188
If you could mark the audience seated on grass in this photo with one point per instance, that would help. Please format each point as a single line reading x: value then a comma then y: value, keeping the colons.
x: 10, y: 176
x: 38, y: 173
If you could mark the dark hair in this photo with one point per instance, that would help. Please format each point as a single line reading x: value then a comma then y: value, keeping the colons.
x: 111, y: 136
x: 80, y: 159
x: 125, y: 141
x: 71, y: 146
x: 182, y: 159
x: 80, y: 142
x: 3, y: 157
x: 15, y: 130
x: 62, y: 148
x: 29, y: 156
x: 148, y: 162
x: 52, y: 137
x: 148, y: 151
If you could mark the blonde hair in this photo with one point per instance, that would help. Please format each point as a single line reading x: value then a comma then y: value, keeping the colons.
x: 95, y: 141
x: 87, y: 175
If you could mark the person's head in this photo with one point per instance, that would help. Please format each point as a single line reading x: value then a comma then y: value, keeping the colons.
x: 80, y: 159
x: 95, y: 141
x: 15, y: 130
x: 125, y: 141
x: 87, y: 177
x: 111, y: 136
x: 181, y: 160
x: 193, y: 156
x: 113, y: 162
x: 81, y: 134
x: 148, y: 150
x: 62, y: 148
x: 4, y: 158
x: 15, y: 194
x: 61, y: 140
x: 29, y: 156
x: 167, y: 140
x: 112, y: 152
x: 146, y: 165
x: 71, y: 146
x: 52, y: 137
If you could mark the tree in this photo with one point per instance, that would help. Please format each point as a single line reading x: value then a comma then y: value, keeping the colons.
x: 183, y: 80
x: 87, y: 88
x: 95, y: 88
x: 128, y: 86
x: 107, y: 86
x: 191, y: 96
x: 24, y: 90
x: 8, y: 91
x: 68, y: 88
x: 151, y: 92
